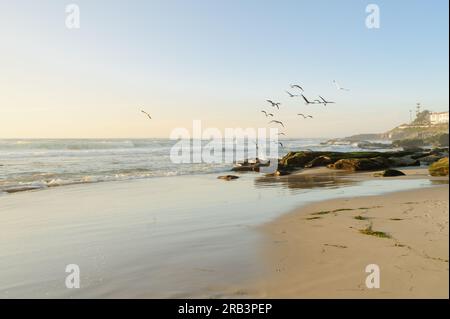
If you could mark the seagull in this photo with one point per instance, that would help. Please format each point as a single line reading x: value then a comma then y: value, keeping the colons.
x: 278, y: 122
x: 305, y: 116
x: 281, y: 144
x: 277, y: 105
x: 325, y: 102
x: 146, y: 114
x: 297, y: 86
x: 267, y: 114
x: 306, y: 100
x: 281, y: 134
x: 290, y: 94
x: 339, y: 87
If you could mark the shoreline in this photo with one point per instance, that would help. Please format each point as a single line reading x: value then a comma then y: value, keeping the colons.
x: 320, y: 251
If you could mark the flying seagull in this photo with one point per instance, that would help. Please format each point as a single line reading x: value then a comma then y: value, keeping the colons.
x: 325, y: 102
x: 278, y: 122
x: 339, y: 87
x: 281, y: 134
x: 277, y: 105
x: 267, y: 114
x: 305, y: 116
x: 146, y: 114
x: 306, y: 100
x: 297, y: 86
x: 291, y: 95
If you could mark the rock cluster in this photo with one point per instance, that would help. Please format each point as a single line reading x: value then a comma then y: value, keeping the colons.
x: 353, y: 161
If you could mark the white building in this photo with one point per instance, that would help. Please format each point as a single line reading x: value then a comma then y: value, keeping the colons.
x: 438, y: 117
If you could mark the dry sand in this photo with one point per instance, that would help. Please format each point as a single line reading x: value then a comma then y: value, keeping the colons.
x: 319, y: 251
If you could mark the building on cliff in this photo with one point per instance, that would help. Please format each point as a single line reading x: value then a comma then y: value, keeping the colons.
x: 438, y: 117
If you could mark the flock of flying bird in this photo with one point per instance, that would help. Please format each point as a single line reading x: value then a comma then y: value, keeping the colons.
x: 276, y: 105
x: 320, y: 100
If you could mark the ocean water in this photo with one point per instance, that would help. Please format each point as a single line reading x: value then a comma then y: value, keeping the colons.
x: 27, y: 164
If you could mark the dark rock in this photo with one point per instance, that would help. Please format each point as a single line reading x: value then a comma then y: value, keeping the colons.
x: 418, y: 155
x: 414, y: 149
x: 430, y: 159
x: 361, y: 164
x: 369, y: 160
x: 302, y: 158
x: 228, y: 177
x: 280, y: 173
x: 404, y: 161
x: 319, y: 161
x: 390, y: 173
x: 431, y: 156
x: 439, y: 150
x: 247, y: 166
x: 297, y: 159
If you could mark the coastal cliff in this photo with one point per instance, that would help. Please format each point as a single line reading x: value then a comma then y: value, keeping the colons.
x: 420, y: 132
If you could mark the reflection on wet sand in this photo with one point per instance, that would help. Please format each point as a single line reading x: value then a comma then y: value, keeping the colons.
x: 319, y: 178
x: 306, y: 181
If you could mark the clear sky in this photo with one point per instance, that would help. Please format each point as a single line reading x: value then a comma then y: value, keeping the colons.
x: 217, y: 61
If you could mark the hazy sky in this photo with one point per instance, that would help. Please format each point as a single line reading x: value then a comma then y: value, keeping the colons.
x: 217, y: 61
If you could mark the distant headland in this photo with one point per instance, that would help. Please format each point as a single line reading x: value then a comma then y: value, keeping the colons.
x: 427, y: 129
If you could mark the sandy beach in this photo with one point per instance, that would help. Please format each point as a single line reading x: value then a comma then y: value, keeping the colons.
x: 321, y: 250
x: 293, y: 236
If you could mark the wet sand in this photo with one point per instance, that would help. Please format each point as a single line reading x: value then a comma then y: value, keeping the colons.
x: 321, y: 250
